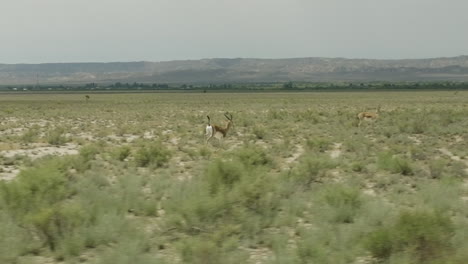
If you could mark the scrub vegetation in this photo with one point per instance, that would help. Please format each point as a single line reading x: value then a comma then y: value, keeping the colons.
x: 128, y: 178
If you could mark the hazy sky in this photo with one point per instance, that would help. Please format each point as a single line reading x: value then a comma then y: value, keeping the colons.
x: 36, y: 31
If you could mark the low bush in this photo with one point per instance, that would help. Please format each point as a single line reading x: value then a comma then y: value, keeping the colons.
x: 318, y: 144
x: 56, y: 137
x: 153, y: 155
x: 345, y: 202
x: 312, y: 168
x: 260, y: 132
x: 253, y: 156
x: 121, y: 153
x: 425, y: 235
x: 394, y: 164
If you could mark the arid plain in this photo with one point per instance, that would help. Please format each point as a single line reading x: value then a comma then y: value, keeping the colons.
x: 128, y: 177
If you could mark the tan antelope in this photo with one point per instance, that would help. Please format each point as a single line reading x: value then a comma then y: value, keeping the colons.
x: 368, y: 116
x: 211, y: 130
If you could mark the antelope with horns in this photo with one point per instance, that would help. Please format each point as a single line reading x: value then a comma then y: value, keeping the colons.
x: 211, y: 130
x: 368, y: 116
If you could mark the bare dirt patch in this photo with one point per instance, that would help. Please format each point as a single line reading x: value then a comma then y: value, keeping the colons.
x: 9, y: 172
x: 38, y: 152
x: 336, y: 151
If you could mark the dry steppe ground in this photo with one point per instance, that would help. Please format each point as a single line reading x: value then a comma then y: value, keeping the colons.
x: 128, y: 178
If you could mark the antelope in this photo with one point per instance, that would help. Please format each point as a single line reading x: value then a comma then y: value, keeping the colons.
x: 211, y: 130
x: 87, y: 98
x: 365, y: 116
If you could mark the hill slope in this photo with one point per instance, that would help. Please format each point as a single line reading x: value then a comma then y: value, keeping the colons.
x: 240, y: 70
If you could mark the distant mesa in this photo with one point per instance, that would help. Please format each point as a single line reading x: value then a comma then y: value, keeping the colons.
x: 247, y: 70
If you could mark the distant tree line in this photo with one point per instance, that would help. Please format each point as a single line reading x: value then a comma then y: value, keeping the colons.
x: 279, y: 86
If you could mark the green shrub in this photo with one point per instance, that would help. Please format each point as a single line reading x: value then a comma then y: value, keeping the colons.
x: 202, y: 251
x: 394, y: 164
x: 121, y: 153
x: 309, y: 116
x: 30, y: 136
x: 207, y: 250
x: 318, y: 144
x: 424, y: 234
x: 16, y: 241
x: 436, y: 168
x: 260, y: 132
x: 129, y: 251
x: 89, y: 152
x: 415, y: 123
x: 35, y: 188
x: 380, y: 243
x: 153, y: 155
x: 357, y: 166
x: 345, y: 202
x: 312, y: 168
x: 54, y: 223
x: 253, y: 156
x: 205, y: 152
x: 56, y: 137
x: 37, y: 200
x: 223, y: 174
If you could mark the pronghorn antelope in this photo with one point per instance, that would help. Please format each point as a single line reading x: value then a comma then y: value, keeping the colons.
x: 367, y: 116
x: 211, y: 130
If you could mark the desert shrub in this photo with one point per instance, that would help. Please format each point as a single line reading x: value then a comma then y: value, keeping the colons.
x: 30, y: 136
x: 54, y: 223
x: 64, y: 213
x: 201, y: 252
x: 15, y: 240
x: 260, y: 132
x: 442, y: 195
x: 415, y: 123
x: 89, y: 152
x: 204, y: 152
x: 358, y: 166
x: 36, y: 200
x: 312, y: 168
x: 345, y: 202
x: 424, y: 234
x: 327, y: 244
x: 308, y: 250
x: 153, y: 155
x: 258, y: 194
x: 277, y: 114
x: 128, y: 251
x: 253, y: 156
x: 418, y: 153
x: 121, y: 153
x: 223, y: 174
x: 308, y: 115
x: 228, y: 193
x: 56, y: 137
x: 318, y: 144
x: 207, y: 250
x: 436, y: 168
x: 394, y: 164
x: 448, y: 116
x: 380, y: 243
x: 80, y: 163
x: 35, y: 188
